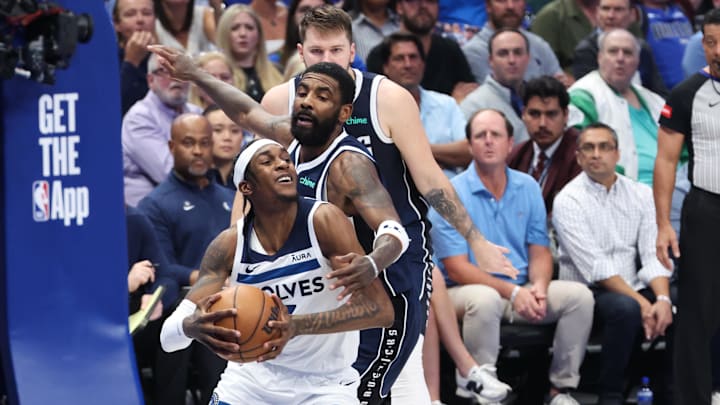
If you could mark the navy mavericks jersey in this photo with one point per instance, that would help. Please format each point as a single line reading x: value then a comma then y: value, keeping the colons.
x: 312, y: 175
x: 364, y: 125
x: 296, y: 274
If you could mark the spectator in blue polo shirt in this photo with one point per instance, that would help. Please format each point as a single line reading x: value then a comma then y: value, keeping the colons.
x: 188, y: 210
x: 508, y: 206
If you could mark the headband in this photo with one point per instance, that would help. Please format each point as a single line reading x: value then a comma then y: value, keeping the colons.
x: 246, y: 156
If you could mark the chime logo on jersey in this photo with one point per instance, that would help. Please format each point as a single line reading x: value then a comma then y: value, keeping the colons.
x: 306, y: 182
x: 41, y: 200
x: 356, y: 121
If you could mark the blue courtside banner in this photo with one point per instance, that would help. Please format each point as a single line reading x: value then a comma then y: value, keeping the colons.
x: 65, y: 310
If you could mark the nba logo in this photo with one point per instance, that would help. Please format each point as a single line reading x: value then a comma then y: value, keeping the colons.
x: 41, y: 200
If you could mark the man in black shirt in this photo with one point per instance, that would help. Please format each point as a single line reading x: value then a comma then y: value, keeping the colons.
x: 446, y: 68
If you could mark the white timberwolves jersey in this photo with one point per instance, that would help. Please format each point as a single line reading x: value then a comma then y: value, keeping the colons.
x: 296, y: 274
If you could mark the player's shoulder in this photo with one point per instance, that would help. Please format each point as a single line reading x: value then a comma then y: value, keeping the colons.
x: 393, y: 95
x: 326, y: 212
x: 276, y: 99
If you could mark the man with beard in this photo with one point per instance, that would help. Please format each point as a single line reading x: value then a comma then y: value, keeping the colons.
x: 509, y: 14
x: 187, y: 210
x: 146, y: 131
x: 446, y: 69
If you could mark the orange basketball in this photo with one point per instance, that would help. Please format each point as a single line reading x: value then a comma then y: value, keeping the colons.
x: 254, y: 309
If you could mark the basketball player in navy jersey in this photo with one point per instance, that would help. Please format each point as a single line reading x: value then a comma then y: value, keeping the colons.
x: 288, y: 241
x: 386, y: 119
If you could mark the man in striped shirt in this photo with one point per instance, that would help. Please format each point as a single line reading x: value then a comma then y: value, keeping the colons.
x: 604, y: 222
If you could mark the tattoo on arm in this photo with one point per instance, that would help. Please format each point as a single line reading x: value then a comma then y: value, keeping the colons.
x: 277, y: 129
x: 447, y: 207
x: 351, y: 316
x: 216, y: 265
x: 359, y: 177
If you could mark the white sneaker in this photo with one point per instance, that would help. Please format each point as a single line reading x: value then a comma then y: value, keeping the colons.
x: 715, y: 398
x: 481, y: 384
x: 563, y: 399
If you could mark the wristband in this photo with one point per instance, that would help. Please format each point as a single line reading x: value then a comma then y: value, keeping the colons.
x: 664, y: 298
x: 374, y: 265
x: 393, y: 228
x: 513, y: 295
x: 172, y: 336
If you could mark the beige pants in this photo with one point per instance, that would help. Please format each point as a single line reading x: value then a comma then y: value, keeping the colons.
x: 570, y: 304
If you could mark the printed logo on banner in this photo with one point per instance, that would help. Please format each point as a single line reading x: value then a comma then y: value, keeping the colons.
x: 41, y: 200
x: 59, y: 144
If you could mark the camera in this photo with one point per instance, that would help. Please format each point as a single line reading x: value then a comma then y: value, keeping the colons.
x: 37, y: 37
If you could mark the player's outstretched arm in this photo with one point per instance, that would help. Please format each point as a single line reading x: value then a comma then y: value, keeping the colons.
x: 400, y: 117
x: 368, y: 308
x: 353, y: 178
x: 192, y: 319
x: 240, y: 107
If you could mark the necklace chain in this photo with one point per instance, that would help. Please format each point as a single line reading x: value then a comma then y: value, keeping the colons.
x: 712, y: 81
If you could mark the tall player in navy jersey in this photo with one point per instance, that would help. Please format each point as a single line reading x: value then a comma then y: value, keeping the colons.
x: 288, y: 241
x: 386, y: 119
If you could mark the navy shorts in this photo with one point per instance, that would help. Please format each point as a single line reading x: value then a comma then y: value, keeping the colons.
x: 384, y: 352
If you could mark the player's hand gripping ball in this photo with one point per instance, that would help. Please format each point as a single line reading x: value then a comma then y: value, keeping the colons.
x: 254, y: 309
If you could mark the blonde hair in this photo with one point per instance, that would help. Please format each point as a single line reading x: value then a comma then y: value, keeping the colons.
x: 268, y: 74
x: 200, y: 61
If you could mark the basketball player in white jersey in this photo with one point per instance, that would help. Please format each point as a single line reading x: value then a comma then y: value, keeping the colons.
x: 284, y: 246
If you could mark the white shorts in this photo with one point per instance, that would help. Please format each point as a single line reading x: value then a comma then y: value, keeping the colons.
x: 264, y: 383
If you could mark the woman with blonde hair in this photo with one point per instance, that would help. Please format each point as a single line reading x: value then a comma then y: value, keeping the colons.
x: 218, y: 65
x: 240, y: 37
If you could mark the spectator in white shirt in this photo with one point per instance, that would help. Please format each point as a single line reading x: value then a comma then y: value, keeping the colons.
x: 604, y: 223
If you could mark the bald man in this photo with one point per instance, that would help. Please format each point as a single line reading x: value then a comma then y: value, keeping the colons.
x: 188, y: 210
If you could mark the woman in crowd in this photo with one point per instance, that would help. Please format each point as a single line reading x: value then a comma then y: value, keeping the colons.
x: 217, y: 65
x: 228, y: 138
x: 240, y: 37
x: 273, y: 17
x: 182, y: 24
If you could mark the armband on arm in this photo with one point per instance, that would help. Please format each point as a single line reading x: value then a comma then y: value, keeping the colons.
x: 395, y: 229
x: 172, y: 336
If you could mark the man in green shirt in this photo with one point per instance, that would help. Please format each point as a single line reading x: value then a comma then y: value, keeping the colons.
x: 611, y: 95
x: 563, y: 23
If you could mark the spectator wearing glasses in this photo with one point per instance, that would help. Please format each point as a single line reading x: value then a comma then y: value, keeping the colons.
x: 604, y: 222
x: 609, y: 95
x: 146, y: 132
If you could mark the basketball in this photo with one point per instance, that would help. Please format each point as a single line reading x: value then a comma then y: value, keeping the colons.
x: 254, y: 309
